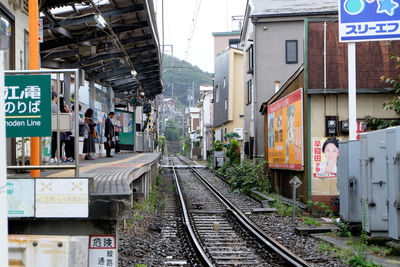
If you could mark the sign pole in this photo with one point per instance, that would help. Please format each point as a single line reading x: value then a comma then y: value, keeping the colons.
x: 3, y: 173
x: 34, y: 65
x: 295, y: 182
x: 294, y: 204
x: 352, y: 91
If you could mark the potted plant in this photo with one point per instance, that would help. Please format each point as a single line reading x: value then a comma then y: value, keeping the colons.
x: 219, y: 156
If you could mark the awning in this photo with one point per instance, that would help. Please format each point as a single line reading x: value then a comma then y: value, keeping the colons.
x: 121, y: 51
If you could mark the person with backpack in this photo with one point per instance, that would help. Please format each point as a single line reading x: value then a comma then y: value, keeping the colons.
x: 109, y: 134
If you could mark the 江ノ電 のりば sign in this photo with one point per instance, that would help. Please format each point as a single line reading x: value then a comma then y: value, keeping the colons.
x: 28, y: 105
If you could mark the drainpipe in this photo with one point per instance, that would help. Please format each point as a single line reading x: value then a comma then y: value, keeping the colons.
x: 325, y: 57
x: 277, y: 86
x: 308, y: 106
x: 254, y: 88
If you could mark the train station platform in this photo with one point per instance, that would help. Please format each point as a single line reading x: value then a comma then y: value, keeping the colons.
x: 114, y: 183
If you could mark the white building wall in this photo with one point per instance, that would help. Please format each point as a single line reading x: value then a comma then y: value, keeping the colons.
x: 21, y: 23
x: 207, y: 109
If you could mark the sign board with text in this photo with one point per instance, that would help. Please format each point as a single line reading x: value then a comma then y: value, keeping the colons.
x: 102, y: 251
x: 369, y: 20
x: 20, y: 197
x: 62, y: 198
x: 28, y: 105
x: 285, y: 132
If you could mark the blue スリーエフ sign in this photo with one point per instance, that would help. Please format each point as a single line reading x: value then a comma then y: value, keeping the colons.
x: 369, y: 20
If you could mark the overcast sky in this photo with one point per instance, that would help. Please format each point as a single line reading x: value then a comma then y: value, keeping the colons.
x: 214, y: 16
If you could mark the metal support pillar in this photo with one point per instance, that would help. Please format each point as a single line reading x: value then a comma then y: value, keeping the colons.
x: 67, y: 89
x: 91, y: 94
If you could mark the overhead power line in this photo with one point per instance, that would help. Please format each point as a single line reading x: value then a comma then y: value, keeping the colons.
x: 194, y: 20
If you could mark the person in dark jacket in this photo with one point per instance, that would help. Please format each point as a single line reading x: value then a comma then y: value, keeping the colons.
x: 88, y: 142
x: 109, y: 133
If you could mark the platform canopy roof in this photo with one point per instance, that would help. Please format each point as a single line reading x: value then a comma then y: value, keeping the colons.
x: 114, y: 41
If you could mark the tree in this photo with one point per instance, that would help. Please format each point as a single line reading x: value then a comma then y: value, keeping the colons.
x: 393, y: 104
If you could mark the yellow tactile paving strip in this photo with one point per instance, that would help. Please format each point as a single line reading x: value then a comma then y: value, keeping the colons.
x: 118, y: 163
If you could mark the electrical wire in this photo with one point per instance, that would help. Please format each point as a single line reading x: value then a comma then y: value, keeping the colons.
x: 162, y: 22
x: 194, y: 20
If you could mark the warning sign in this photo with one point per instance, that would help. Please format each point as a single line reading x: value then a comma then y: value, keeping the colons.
x: 102, y: 251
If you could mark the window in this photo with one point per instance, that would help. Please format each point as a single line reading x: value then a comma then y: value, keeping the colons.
x: 6, y: 34
x: 26, y: 50
x: 291, y: 52
x: 248, y: 92
x: 216, y: 93
x: 249, y: 60
x: 224, y: 82
x: 226, y: 104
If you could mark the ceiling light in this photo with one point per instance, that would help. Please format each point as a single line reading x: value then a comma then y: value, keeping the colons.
x: 134, y: 73
x: 142, y: 93
x: 100, y: 21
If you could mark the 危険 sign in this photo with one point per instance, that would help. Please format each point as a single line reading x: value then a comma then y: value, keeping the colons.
x: 369, y: 20
x: 27, y: 105
x: 285, y: 132
x: 102, y: 250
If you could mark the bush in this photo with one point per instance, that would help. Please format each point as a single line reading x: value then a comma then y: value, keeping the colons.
x: 234, y: 152
x: 242, y: 177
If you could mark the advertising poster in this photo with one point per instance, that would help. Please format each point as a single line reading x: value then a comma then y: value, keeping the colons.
x: 324, y: 154
x: 124, y: 126
x: 100, y: 117
x: 369, y: 20
x: 324, y: 157
x: 285, y: 132
x: 20, y: 197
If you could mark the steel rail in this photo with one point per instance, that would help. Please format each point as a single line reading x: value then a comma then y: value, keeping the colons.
x: 200, y: 252
x: 254, y: 229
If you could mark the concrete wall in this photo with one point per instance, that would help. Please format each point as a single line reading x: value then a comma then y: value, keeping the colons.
x: 270, y: 64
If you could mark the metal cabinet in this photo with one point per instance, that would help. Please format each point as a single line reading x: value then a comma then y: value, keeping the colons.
x: 374, y: 181
x: 393, y: 175
x: 349, y: 183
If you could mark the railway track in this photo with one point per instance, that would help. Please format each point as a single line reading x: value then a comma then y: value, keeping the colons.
x: 221, y: 233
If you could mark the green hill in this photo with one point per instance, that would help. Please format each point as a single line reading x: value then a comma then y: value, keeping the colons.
x: 182, y: 76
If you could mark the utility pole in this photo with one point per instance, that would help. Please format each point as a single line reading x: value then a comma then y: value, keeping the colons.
x: 3, y: 174
x: 34, y: 65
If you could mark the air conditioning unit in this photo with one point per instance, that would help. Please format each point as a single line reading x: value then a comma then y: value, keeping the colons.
x: 87, y: 51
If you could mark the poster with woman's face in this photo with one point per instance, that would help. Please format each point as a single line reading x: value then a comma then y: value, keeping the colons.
x: 325, y: 153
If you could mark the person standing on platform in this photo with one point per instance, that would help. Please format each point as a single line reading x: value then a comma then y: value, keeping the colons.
x: 88, y: 143
x: 71, y: 143
x: 53, y: 134
x: 109, y: 133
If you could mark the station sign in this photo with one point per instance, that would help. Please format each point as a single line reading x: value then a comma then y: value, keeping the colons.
x: 369, y: 20
x: 28, y: 105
